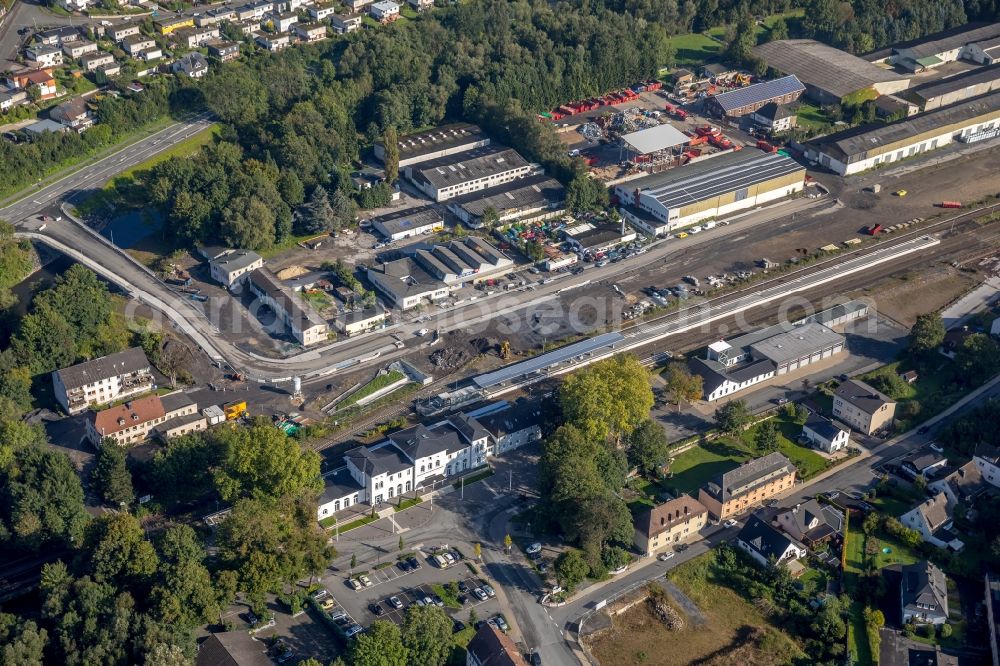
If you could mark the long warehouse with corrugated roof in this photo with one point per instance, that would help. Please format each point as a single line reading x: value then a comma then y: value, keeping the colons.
x: 710, y: 188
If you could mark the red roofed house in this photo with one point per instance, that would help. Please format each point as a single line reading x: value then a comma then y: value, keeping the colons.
x: 134, y: 421
x: 42, y: 78
x: 492, y: 647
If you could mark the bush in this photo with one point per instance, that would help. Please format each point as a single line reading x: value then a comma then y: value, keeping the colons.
x: 945, y: 630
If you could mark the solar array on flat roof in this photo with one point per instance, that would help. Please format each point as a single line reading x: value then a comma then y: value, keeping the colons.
x: 715, y: 176
x: 544, y: 361
x: 759, y: 92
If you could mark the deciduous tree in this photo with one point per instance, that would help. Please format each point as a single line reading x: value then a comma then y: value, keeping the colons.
x: 647, y: 446
x: 607, y: 398
x: 426, y: 635
x: 927, y: 333
x: 733, y: 417
x: 381, y: 645
x: 263, y: 461
x: 681, y: 384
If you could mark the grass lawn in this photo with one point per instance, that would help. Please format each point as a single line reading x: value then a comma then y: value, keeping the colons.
x: 694, y: 49
x: 808, y: 461
x: 810, y: 116
x: 317, y: 298
x: 933, y: 391
x: 185, y: 148
x: 377, y: 384
x: 857, y: 635
x: 702, y: 463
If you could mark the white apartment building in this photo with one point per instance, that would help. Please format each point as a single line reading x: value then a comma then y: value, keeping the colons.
x: 461, y: 173
x: 103, y: 380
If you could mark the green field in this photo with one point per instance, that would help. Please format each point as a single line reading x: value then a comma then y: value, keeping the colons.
x: 933, y: 391
x: 694, y: 49
x: 700, y: 464
x: 809, y: 116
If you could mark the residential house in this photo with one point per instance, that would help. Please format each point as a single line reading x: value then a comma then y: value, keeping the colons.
x: 322, y: 12
x: 170, y: 24
x: 136, y: 420
x: 249, y: 27
x: 421, y: 5
x: 344, y: 23
x: 284, y: 22
x: 774, y: 118
x: 305, y: 324
x: 136, y: 45
x: 74, y: 114
x: 360, y: 321
x: 384, y: 11
x: 40, y: 55
x: 987, y: 459
x: 767, y: 545
x: 108, y: 71
x: 273, y: 41
x: 310, y: 32
x: 992, y: 598
x: 11, y: 98
x: 751, y: 483
x: 406, y: 461
x: 963, y: 484
x: 924, y: 462
x: 45, y: 125
x: 58, y: 36
x: 118, y: 33
x: 192, y: 38
x: 74, y: 5
x: 675, y: 521
x: 229, y: 266
x: 224, y: 50
x: 103, y: 380
x: 79, y: 48
x: 932, y: 518
x: 357, y: 5
x: 492, y: 647
x: 811, y: 522
x: 923, y: 594
x: 863, y: 408
x: 825, y: 434
x: 94, y: 62
x: 151, y: 54
x: 193, y: 65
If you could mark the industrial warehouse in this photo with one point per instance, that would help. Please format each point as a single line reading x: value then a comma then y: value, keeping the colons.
x: 408, y: 223
x: 714, y: 187
x: 431, y: 274
x: 742, y: 101
x: 730, y: 367
x: 529, y: 198
x: 955, y: 89
x: 456, y: 174
x: 829, y: 75
x: 438, y: 142
x: 863, y: 148
x: 970, y: 42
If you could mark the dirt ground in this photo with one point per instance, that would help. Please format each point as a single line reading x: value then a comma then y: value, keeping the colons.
x: 639, y: 638
x: 903, y: 297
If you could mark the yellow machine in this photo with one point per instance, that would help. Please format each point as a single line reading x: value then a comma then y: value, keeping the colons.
x: 235, y: 410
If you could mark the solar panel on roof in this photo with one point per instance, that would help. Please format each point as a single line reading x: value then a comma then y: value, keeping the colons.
x: 759, y: 92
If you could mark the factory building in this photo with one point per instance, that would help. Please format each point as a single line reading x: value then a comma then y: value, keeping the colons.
x: 868, y: 146
x: 429, y: 275
x: 740, y: 102
x: 710, y: 188
x: 975, y: 41
x: 529, y: 198
x: 828, y: 74
x: 470, y: 171
x: 438, y: 142
x: 955, y: 89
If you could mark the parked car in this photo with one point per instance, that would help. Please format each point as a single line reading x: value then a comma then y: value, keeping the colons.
x: 663, y: 557
x: 681, y: 547
x: 501, y: 623
x: 336, y: 616
x: 488, y: 589
x: 923, y: 430
x: 413, y: 562
x: 536, y: 659
x: 462, y: 599
x: 353, y: 630
x: 462, y: 587
x: 365, y: 580
x: 449, y: 557
x: 480, y: 594
x: 438, y: 601
x: 457, y: 626
x: 730, y: 523
x: 533, y: 548
x: 403, y: 566
x: 328, y: 603
x: 354, y: 584
x: 376, y: 609
x: 395, y: 602
x: 321, y: 593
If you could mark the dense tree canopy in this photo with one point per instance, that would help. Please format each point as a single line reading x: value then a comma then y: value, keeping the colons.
x: 607, y: 398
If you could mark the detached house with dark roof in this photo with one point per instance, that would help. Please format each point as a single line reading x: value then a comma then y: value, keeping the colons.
x: 751, y: 483
x: 924, y: 594
x: 825, y: 434
x: 492, y: 647
x: 932, y: 518
x: 811, y: 522
x: 675, y: 521
x: 963, y: 484
x: 767, y: 545
x: 774, y: 117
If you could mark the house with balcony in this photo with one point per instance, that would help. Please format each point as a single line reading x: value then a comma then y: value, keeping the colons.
x: 103, y: 380
x: 768, y: 545
x: 932, y: 518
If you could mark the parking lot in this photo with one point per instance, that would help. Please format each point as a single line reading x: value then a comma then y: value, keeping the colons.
x: 452, y: 588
